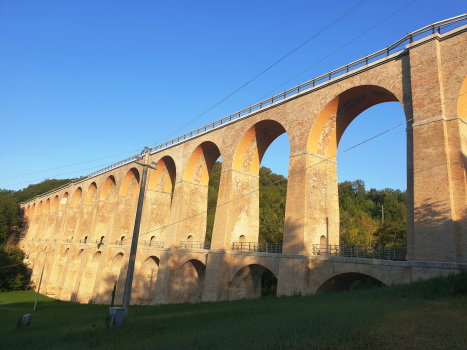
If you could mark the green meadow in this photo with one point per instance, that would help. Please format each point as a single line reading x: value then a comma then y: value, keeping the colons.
x: 428, y: 314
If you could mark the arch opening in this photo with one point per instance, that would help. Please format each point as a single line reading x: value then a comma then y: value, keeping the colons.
x: 348, y: 281
x: 39, y: 208
x: 54, y: 204
x: 108, y: 190
x: 351, y: 213
x: 130, y: 184
x: 252, y: 282
x: 189, y: 285
x: 76, y: 197
x: 146, y: 280
x: 91, y: 194
x: 47, y: 206
x: 200, y: 185
x: 64, y: 201
x: 261, y: 214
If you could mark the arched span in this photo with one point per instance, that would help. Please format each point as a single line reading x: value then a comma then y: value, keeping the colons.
x: 76, y: 197
x: 189, y: 283
x: 91, y: 194
x: 39, y: 208
x: 47, y: 206
x: 146, y: 280
x: 462, y: 102
x: 163, y: 178
x: 254, y: 144
x: 130, y: 184
x: 64, y: 201
x: 251, y: 282
x: 27, y: 211
x: 54, y: 204
x: 109, y: 190
x: 344, y: 281
x: 336, y: 116
x: 200, y: 164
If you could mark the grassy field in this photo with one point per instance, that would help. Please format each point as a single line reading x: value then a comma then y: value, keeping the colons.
x: 424, y: 315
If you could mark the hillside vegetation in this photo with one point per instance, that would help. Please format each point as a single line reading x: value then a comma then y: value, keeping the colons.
x: 360, y: 211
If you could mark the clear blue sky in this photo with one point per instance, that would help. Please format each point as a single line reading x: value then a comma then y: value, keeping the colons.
x: 81, y: 80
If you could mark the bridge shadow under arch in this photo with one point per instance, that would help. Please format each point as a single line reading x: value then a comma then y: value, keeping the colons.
x: 347, y: 281
x: 251, y: 282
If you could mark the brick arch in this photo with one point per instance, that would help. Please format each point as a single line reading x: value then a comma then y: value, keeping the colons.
x: 76, y: 197
x: 246, y: 283
x: 108, y: 190
x: 46, y: 206
x: 63, y: 201
x: 54, y: 204
x: 33, y: 208
x: 189, y: 282
x: 341, y: 282
x: 39, y: 208
x: 338, y: 113
x: 163, y: 178
x: 201, y: 161
x: 130, y: 184
x: 462, y: 101
x: 146, y: 279
x: 254, y: 144
x: 27, y: 210
x: 91, y: 194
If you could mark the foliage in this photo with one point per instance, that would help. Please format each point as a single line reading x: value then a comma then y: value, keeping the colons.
x: 13, y: 272
x: 360, y: 215
x: 37, y: 189
x: 360, y: 211
x: 428, y: 314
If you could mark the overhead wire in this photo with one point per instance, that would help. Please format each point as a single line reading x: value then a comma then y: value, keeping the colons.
x: 337, y: 20
x: 332, y: 53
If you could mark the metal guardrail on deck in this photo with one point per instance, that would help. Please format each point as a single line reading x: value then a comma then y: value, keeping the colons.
x: 195, y: 245
x: 154, y: 244
x: 358, y: 251
x: 275, y: 248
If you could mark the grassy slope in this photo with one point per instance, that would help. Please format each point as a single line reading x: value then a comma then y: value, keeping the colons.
x: 424, y: 315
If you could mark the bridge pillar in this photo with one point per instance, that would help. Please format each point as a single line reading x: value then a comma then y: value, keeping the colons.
x: 188, y: 214
x: 312, y: 209
x: 436, y: 161
x: 237, y: 212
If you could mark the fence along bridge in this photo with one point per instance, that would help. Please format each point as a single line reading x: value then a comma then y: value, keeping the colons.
x: 85, y: 226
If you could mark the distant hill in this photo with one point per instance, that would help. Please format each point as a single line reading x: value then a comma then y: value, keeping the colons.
x: 35, y: 190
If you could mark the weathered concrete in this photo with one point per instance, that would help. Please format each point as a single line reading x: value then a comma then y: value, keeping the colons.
x: 426, y: 78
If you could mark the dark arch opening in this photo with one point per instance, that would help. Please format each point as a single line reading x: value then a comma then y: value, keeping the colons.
x: 348, y: 281
x: 251, y: 282
x: 189, y: 284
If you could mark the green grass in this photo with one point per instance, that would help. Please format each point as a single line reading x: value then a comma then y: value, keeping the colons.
x: 423, y: 315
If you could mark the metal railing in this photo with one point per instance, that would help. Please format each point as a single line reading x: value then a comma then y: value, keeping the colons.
x: 68, y: 240
x: 275, y: 248
x: 120, y: 242
x: 195, y: 245
x: 364, y: 61
x: 154, y: 244
x: 358, y: 251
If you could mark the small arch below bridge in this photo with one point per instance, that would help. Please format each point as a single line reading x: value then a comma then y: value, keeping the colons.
x: 252, y: 282
x: 189, y: 284
x: 348, y: 281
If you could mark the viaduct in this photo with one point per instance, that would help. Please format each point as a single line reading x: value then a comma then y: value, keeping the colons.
x: 85, y: 227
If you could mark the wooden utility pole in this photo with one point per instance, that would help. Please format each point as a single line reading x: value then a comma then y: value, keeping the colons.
x: 134, y: 241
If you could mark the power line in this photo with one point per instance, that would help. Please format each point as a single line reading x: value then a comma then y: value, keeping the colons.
x: 332, y: 53
x: 340, y: 18
x: 66, y: 166
x: 353, y: 9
